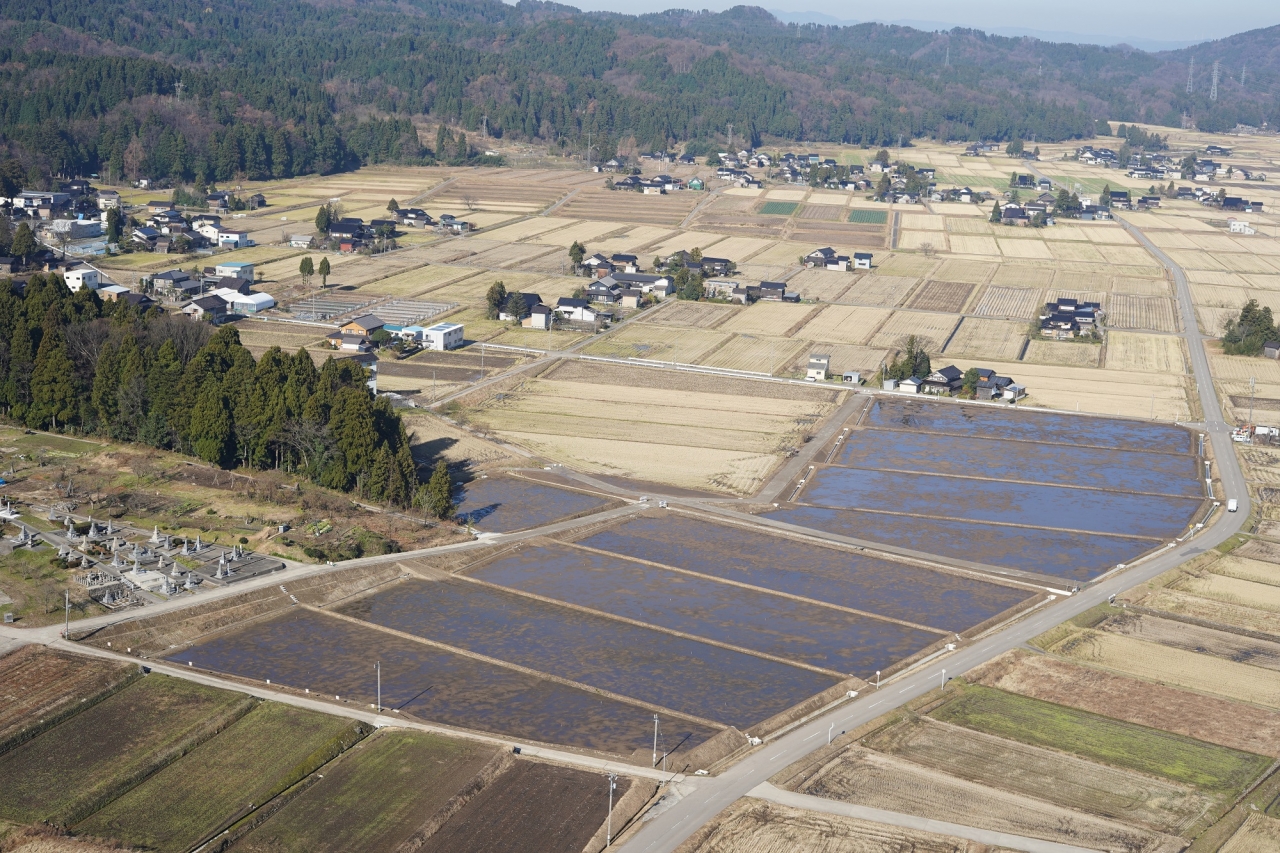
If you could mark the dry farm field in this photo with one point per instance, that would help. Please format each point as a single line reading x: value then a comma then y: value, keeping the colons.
x: 1142, y: 312
x: 870, y: 778
x: 1066, y: 353
x: 1132, y: 700
x: 880, y: 291
x: 759, y: 826
x: 844, y: 324
x: 931, y: 330
x: 770, y: 318
x: 1014, y: 302
x: 945, y: 296
x: 1202, y: 672
x: 983, y: 338
x: 1136, y: 351
x: 688, y: 430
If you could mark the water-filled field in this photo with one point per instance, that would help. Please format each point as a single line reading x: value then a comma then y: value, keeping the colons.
x: 1127, y: 470
x: 330, y: 656
x: 777, y: 625
x: 845, y: 578
x: 1001, y: 502
x: 1023, y: 425
x: 1071, y: 556
x: 503, y: 504
x: 685, y: 675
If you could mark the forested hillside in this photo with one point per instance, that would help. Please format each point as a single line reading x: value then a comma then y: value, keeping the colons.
x: 71, y: 362
x: 213, y: 89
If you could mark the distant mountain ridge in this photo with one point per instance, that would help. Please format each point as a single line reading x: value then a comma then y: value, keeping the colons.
x: 215, y: 89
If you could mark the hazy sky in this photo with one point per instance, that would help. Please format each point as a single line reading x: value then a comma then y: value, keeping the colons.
x: 1145, y: 20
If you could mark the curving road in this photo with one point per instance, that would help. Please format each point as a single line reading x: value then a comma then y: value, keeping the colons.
x: 707, y: 796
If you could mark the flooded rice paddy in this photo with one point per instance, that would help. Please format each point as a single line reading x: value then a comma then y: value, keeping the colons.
x: 685, y: 675
x: 308, y: 650
x: 845, y: 578
x: 1071, y: 556
x: 969, y: 499
x: 1057, y: 495
x: 504, y: 504
x: 1054, y: 464
x: 1022, y: 425
x: 834, y: 639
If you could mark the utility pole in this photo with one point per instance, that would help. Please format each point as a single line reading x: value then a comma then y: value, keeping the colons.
x: 1213, y: 91
x: 588, y: 149
x: 1191, y: 74
x: 1251, y: 385
x: 608, y: 832
x: 378, y: 669
x: 655, y: 742
x: 66, y: 632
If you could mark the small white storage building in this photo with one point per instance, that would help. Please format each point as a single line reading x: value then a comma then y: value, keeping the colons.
x: 235, y: 269
x: 81, y: 278
x: 443, y: 336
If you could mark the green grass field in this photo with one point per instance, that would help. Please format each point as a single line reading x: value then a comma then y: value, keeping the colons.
x: 779, y: 208
x: 869, y: 217
x: 1212, y: 768
x: 79, y: 766
x: 269, y: 750
x: 373, y: 798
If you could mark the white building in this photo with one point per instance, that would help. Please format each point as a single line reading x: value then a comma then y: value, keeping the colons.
x: 250, y: 303
x: 862, y: 260
x: 235, y: 269
x: 1239, y: 226
x: 818, y: 367
x: 443, y: 336
x: 80, y: 278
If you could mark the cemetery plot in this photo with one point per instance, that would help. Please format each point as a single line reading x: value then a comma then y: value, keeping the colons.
x: 857, y: 580
x: 504, y: 504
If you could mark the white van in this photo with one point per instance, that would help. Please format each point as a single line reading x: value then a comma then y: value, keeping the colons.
x: 1232, y: 506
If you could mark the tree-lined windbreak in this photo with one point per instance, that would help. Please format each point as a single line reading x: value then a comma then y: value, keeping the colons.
x: 70, y: 362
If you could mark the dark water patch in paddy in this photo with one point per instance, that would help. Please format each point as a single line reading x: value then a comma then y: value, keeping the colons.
x: 819, y: 636
x: 885, y: 587
x: 685, y: 675
x: 504, y: 504
x: 1070, y: 556
x: 1157, y: 473
x: 990, y: 422
x: 304, y: 649
x: 1011, y: 503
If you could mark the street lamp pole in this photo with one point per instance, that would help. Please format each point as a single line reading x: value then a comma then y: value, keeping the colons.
x: 608, y: 833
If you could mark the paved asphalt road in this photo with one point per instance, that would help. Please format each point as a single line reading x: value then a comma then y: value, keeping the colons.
x: 666, y: 831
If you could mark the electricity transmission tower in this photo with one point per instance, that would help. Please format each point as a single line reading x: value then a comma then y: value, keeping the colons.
x: 1213, y: 90
x: 730, y: 138
x: 1191, y: 75
x: 1244, y: 69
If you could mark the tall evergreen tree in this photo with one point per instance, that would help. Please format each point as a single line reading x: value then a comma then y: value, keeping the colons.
x: 53, y: 393
x: 210, y: 432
